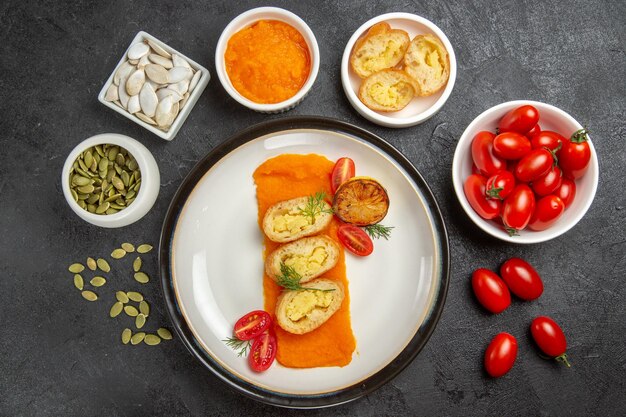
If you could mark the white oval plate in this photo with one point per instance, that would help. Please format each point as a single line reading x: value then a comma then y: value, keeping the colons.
x: 212, y: 265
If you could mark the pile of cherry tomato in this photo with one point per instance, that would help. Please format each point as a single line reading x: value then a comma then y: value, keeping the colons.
x: 255, y: 331
x: 524, y: 176
x: 494, y: 294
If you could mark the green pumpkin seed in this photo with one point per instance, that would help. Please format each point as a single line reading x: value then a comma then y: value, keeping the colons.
x: 137, y: 264
x: 89, y: 295
x: 76, y: 268
x: 135, y: 296
x: 86, y: 189
x: 117, y: 183
x: 125, y: 178
x: 88, y: 158
x: 142, y: 277
x: 121, y: 297
x: 140, y: 320
x: 164, y: 333
x: 82, y: 165
x: 82, y: 204
x: 152, y: 339
x: 145, y: 248
x: 98, y: 281
x: 144, y: 308
x: 130, y: 194
x: 99, y: 150
x: 103, y: 207
x: 120, y: 160
x: 110, y: 174
x: 74, y: 194
x: 137, y: 338
x: 128, y: 247
x: 103, y: 265
x: 116, y: 309
x: 81, y: 181
x: 131, y: 311
x: 132, y: 165
x: 126, y: 334
x: 113, y: 153
x: 91, y: 208
x: 78, y: 282
x: 118, y: 254
x: 111, y: 211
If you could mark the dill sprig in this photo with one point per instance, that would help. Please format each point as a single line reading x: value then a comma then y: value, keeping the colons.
x: 315, y: 206
x: 289, y: 279
x: 377, y: 231
x: 237, y: 344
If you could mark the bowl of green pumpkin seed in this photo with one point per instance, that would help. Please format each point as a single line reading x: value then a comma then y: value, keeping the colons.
x: 110, y: 180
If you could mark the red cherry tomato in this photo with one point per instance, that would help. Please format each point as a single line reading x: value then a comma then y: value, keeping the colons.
x: 534, y: 165
x: 490, y: 290
x: 547, y: 139
x: 575, y: 155
x: 532, y: 132
x: 522, y: 279
x: 499, y: 186
x: 482, y: 154
x: 511, y: 145
x: 355, y: 240
x: 547, y: 211
x: 550, y: 338
x: 342, y: 172
x: 518, y: 208
x: 520, y: 120
x: 263, y: 352
x: 475, y: 190
x: 475, y: 169
x: 548, y: 182
x: 500, y: 354
x: 566, y: 192
x: 252, y: 324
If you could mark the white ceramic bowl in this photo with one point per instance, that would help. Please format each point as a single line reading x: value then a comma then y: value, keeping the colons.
x: 248, y: 18
x: 182, y: 115
x: 550, y: 118
x: 419, y: 109
x: 148, y: 192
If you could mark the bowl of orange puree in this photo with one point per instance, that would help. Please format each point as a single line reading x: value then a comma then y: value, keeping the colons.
x: 267, y: 59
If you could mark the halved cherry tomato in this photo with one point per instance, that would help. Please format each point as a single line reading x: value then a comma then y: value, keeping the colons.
x: 534, y: 165
x: 575, y: 155
x: 532, y: 132
x: 490, y: 290
x: 252, y: 324
x: 566, y: 192
x: 547, y: 139
x: 518, y: 208
x: 547, y: 211
x: 342, y: 172
x: 511, y: 145
x: 355, y: 240
x: 500, y: 354
x: 475, y: 190
x: 499, y: 186
x: 548, y: 182
x: 550, y: 338
x: 483, y: 156
x: 522, y: 279
x: 520, y: 120
x: 263, y: 352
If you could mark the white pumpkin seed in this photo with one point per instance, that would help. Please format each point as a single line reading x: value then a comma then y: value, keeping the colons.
x: 135, y: 296
x: 118, y: 253
x: 116, y: 309
x: 164, y: 333
x: 137, y: 338
x: 164, y: 111
x: 111, y: 94
x: 164, y: 92
x: 103, y: 265
x: 178, y: 74
x: 78, y: 282
x: 126, y: 334
x: 98, y: 281
x: 152, y: 339
x: 143, y: 61
x: 144, y: 308
x: 137, y: 264
x: 131, y: 311
x: 194, y: 81
x: 144, y: 248
x: 140, y: 320
x: 158, y: 49
x: 141, y: 277
x: 148, y: 100
x: 160, y: 60
x: 156, y: 73
x: 180, y: 61
x: 89, y: 295
x: 123, y: 72
x: 121, y: 297
x: 128, y: 247
x: 77, y: 268
x: 135, y: 82
x: 121, y: 91
x: 145, y: 118
x: 133, y: 104
x: 138, y: 50
x: 182, y: 86
x: 182, y: 103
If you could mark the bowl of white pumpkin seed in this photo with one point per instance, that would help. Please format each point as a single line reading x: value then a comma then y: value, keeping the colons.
x: 110, y: 180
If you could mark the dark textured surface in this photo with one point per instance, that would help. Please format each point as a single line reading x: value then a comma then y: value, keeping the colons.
x: 59, y: 354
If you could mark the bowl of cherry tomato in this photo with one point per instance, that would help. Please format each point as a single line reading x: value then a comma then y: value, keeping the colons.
x: 525, y: 171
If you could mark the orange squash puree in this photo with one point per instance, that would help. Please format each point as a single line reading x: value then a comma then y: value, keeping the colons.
x: 282, y: 178
x: 267, y: 62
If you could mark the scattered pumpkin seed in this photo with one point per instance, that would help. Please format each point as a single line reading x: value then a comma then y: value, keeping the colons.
x: 164, y: 333
x: 142, y: 277
x: 118, y: 253
x: 91, y: 264
x: 135, y: 296
x: 121, y: 297
x: 116, y: 309
x: 137, y: 264
x: 98, y: 281
x: 89, y: 295
x: 152, y: 339
x: 78, y: 282
x: 128, y: 247
x: 126, y: 333
x: 76, y: 268
x: 145, y: 248
x: 144, y: 308
x: 131, y: 311
x: 140, y: 320
x: 103, y: 265
x: 137, y: 338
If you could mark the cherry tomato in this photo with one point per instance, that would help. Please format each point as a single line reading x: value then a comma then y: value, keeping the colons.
x: 342, y: 172
x: 550, y: 338
x: 547, y: 211
x: 490, y: 290
x: 511, y: 145
x: 499, y: 186
x: 522, y: 279
x: 263, y: 352
x: 475, y: 169
x: 532, y: 132
x: 252, y: 324
x: 534, y: 165
x: 355, y: 240
x: 475, y: 190
x: 520, y: 120
x: 575, y: 155
x: 518, y: 208
x: 483, y: 156
x: 566, y: 192
x: 548, y: 182
x: 547, y: 139
x: 500, y: 354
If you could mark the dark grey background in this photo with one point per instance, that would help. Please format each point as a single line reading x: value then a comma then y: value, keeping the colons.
x: 60, y: 355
